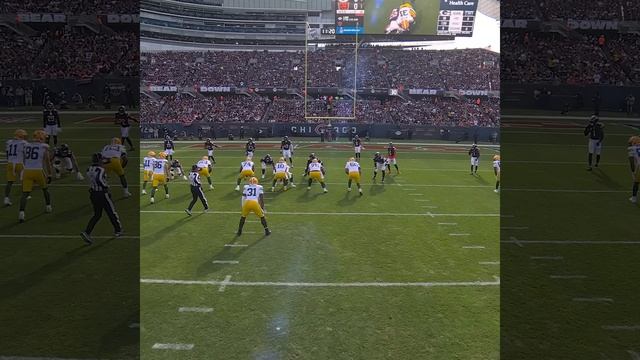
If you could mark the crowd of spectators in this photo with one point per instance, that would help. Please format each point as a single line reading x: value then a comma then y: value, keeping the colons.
x: 571, y: 9
x: 332, y: 67
x: 580, y: 59
x: 78, y: 7
x: 438, y: 111
x: 69, y: 52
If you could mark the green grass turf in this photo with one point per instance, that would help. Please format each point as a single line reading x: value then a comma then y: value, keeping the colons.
x: 59, y: 297
x: 377, y: 17
x: 564, y: 202
x: 396, y: 242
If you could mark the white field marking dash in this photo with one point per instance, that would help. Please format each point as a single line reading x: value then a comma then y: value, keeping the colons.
x: 473, y: 247
x: 448, y: 224
x: 416, y: 194
x: 489, y: 263
x: 235, y: 245
x: 158, y: 346
x: 459, y: 234
x: 226, y: 261
x: 224, y: 283
x: 546, y: 257
x: 573, y: 242
x: 429, y: 206
x: 421, y: 200
x: 334, y: 213
x: 567, y: 276
x: 514, y: 227
x: 321, y: 284
x: 195, y: 309
x: 621, y: 327
x: 594, y: 299
x: 134, y: 326
x: 405, y: 189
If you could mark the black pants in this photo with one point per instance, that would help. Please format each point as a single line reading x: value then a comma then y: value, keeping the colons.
x: 196, y: 193
x: 102, y: 201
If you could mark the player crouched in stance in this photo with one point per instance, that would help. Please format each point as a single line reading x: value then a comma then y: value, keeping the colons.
x: 247, y: 170
x: 379, y: 164
x: 474, y: 153
x: 196, y: 190
x: 594, y: 130
x: 100, y: 199
x: 115, y: 160
x: 267, y: 160
x: 206, y: 168
x: 253, y: 202
x: 496, y: 171
x: 160, y: 176
x: 401, y: 19
x: 37, y: 169
x: 15, y: 160
x: 147, y: 170
x: 63, y: 156
x: 283, y: 174
x: 176, y: 169
x: 353, y: 171
x: 316, y: 172
x: 634, y: 157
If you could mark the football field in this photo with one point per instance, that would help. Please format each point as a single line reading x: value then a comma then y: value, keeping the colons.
x: 51, y: 284
x: 410, y: 270
x: 570, y: 252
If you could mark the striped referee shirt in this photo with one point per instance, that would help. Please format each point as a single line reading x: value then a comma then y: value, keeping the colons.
x: 97, y: 179
x: 194, y: 179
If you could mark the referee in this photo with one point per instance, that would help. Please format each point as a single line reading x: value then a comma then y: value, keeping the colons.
x: 196, y: 190
x: 100, y: 199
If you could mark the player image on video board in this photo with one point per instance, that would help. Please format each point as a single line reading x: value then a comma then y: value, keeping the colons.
x: 401, y: 17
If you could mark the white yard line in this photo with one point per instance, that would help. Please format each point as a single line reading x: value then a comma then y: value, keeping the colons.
x: 320, y: 284
x: 567, y: 276
x: 567, y: 191
x: 546, y: 257
x: 622, y: 327
x: 225, y: 262
x: 473, y: 247
x: 489, y: 263
x: 235, y: 245
x: 448, y: 224
x: 329, y: 213
x: 57, y: 236
x: 224, y: 284
x: 195, y: 309
x: 429, y: 206
x: 459, y: 234
x: 421, y: 200
x: 159, y: 346
x: 572, y: 242
x: 593, y: 299
x: 416, y: 194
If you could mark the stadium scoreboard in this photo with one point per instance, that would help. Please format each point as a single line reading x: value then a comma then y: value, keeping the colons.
x: 405, y: 17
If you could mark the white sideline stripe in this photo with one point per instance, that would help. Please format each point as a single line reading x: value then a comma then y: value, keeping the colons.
x: 320, y: 284
x: 38, y: 358
x: 224, y: 284
x: 605, y: 300
x: 546, y: 258
x: 572, y: 242
x: 621, y: 327
x: 329, y: 213
x: 195, y: 309
x: 514, y: 227
x: 459, y: 234
x: 447, y: 223
x: 567, y: 190
x: 235, y: 245
x: 473, y: 247
x: 567, y: 276
x: 45, y: 236
x: 489, y: 263
x: 172, y: 346
x: 634, y: 355
x: 225, y: 262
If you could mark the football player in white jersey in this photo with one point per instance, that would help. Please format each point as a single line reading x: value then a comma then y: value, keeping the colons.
x: 496, y: 171
x: 247, y: 170
x: 115, y: 157
x: 401, y: 19
x: 205, y: 167
x: 147, y: 170
x: 37, y: 170
x: 14, y: 151
x: 635, y: 151
x: 160, y: 176
x: 253, y: 202
x: 282, y: 173
x: 353, y: 171
x: 316, y: 172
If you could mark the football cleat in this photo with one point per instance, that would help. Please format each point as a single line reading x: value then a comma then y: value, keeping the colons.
x: 187, y: 211
x: 262, y: 176
x: 126, y: 193
x: 57, y: 175
x: 152, y: 200
x: 79, y: 176
x: 118, y: 233
x: 349, y: 189
x: 273, y: 189
x: 205, y: 210
x: 21, y: 216
x: 293, y: 185
x: 633, y: 199
x: 185, y: 177
x: 326, y: 191
x: 308, y: 187
x: 48, y: 208
x: 86, y: 237
x: 267, y: 232
x: 144, y: 192
x: 7, y: 201
x: 211, y: 187
x: 166, y: 196
x: 237, y: 188
x: 496, y: 191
